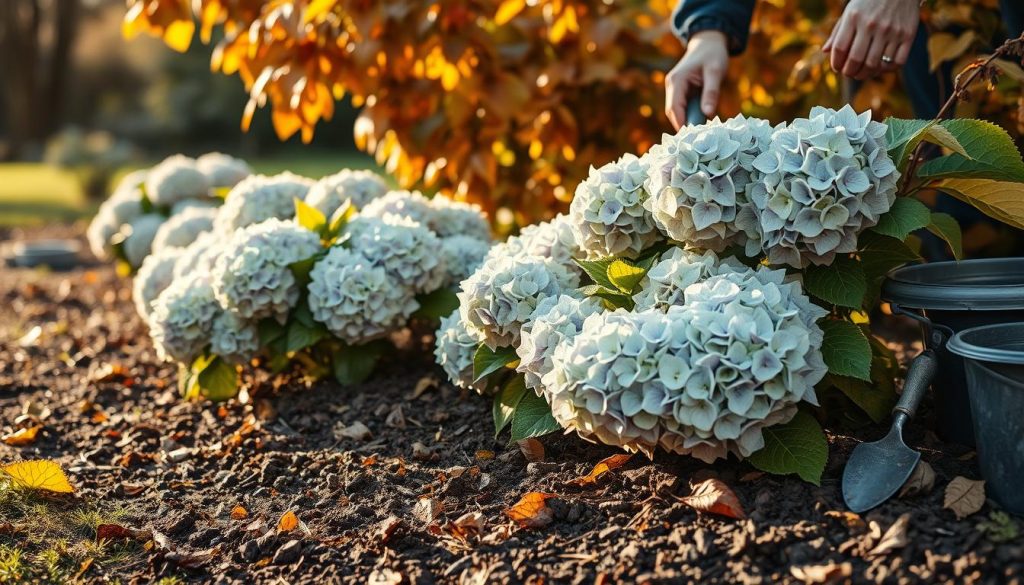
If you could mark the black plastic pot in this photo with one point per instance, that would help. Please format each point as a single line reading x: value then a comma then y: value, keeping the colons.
x: 994, y: 360
x: 949, y: 297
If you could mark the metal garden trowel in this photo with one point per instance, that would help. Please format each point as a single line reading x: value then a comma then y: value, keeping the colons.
x: 876, y: 471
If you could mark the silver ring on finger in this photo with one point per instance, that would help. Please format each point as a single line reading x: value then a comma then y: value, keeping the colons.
x: 886, y: 59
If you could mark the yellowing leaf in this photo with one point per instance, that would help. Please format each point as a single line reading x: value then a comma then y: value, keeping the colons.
x: 531, y: 511
x: 239, y: 513
x: 316, y: 9
x: 289, y: 521
x: 22, y: 437
x: 603, y: 466
x: 1002, y: 200
x: 39, y: 475
x: 308, y: 216
x: 508, y: 10
x: 964, y: 496
x: 178, y: 35
x: 944, y: 47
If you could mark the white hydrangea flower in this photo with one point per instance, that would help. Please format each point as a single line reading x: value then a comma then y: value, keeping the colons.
x: 501, y: 296
x: 155, y: 274
x: 355, y: 299
x: 826, y: 179
x: 407, y: 250
x: 361, y: 187
x: 252, y: 277
x: 608, y: 213
x: 236, y: 340
x: 130, y: 185
x: 139, y: 239
x: 258, y: 198
x: 223, y: 170
x: 458, y: 218
x: 455, y: 349
x: 704, y: 378
x: 175, y: 178
x: 182, y: 318
x: 204, y: 203
x: 100, y: 232
x: 199, y: 256
x: 555, y: 321
x: 182, y: 229
x: 462, y: 256
x: 408, y: 204
x: 553, y: 240
x: 676, y: 269
x: 122, y: 207
x: 702, y: 177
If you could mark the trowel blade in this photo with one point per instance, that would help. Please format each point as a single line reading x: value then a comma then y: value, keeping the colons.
x: 876, y: 471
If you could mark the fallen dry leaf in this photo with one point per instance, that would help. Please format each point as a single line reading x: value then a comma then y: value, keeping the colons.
x: 39, y: 474
x: 532, y: 511
x: 465, y: 526
x: 356, y: 431
x: 118, y: 532
x: 427, y: 510
x: 920, y: 482
x: 484, y: 455
x: 22, y: 437
x: 603, y: 466
x: 852, y: 521
x: 828, y: 573
x: 964, y: 496
x: 894, y: 538
x: 532, y: 449
x: 387, y: 529
x: 395, y: 418
x: 421, y: 452
x: 422, y: 385
x: 133, y: 489
x: 289, y: 521
x: 713, y: 496
x: 239, y: 513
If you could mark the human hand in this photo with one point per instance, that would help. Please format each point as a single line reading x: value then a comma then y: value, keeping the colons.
x: 703, y: 65
x: 872, y: 36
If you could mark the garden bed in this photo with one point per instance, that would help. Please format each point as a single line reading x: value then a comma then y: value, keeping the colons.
x: 394, y: 505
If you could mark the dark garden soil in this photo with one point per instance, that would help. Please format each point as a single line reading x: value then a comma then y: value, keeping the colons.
x: 423, y: 498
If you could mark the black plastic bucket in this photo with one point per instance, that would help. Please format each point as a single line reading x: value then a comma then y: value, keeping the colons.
x: 949, y: 297
x: 994, y: 360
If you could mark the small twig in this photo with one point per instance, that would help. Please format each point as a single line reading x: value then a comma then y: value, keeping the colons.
x: 960, y: 86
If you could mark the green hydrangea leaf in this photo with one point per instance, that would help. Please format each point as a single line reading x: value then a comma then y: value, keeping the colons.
x: 597, y: 270
x: 625, y: 276
x: 988, y: 153
x: 353, y: 364
x: 215, y: 378
x: 843, y: 283
x: 435, y: 305
x: 310, y: 217
x: 487, y: 361
x: 532, y: 418
x: 846, y: 349
x: 906, y: 216
x: 798, y: 446
x: 947, y: 227
x: 506, y: 401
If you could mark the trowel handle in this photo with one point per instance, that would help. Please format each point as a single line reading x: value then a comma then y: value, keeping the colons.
x: 694, y: 115
x: 919, y: 377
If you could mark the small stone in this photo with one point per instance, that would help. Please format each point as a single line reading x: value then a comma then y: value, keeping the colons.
x: 183, y: 523
x: 289, y: 553
x: 249, y: 551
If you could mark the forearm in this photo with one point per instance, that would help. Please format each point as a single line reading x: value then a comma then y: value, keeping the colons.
x: 731, y: 17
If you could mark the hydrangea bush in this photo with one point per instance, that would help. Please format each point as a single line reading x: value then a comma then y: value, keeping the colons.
x: 274, y: 288
x: 711, y: 297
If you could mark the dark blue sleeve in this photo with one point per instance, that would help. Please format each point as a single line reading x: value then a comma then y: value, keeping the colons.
x: 731, y: 17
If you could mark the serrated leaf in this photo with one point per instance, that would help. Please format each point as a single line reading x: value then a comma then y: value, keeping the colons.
x: 625, y: 276
x: 436, y: 305
x: 843, y: 283
x: 614, y: 299
x: 846, y: 349
x: 1000, y: 200
x: 309, y: 217
x: 353, y: 364
x: 903, y: 136
x: 506, y: 401
x: 906, y: 216
x: 487, y: 361
x: 532, y: 418
x: 946, y: 226
x: 993, y: 154
x: 798, y: 446
x: 874, y: 400
x: 217, y: 379
x: 597, y: 270
x: 879, y: 254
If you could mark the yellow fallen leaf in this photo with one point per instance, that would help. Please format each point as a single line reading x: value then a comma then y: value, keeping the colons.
x: 531, y: 511
x: 39, y: 475
x: 238, y: 513
x: 603, y: 466
x: 289, y: 521
x: 21, y: 437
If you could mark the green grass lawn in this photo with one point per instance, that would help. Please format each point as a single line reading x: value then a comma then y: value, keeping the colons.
x: 36, y: 193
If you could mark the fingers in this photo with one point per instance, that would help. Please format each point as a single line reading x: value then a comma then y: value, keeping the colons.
x: 892, y: 49
x: 858, y: 55
x: 903, y: 52
x: 839, y: 43
x: 676, y: 87
x: 713, y: 74
x: 873, y: 63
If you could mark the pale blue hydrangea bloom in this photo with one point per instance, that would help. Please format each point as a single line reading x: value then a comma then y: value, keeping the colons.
x: 223, y: 170
x: 408, y: 204
x: 155, y: 275
x: 553, y: 240
x: 407, y: 250
x: 462, y: 256
x: 454, y: 351
x: 182, y: 318
x: 258, y: 198
x: 174, y: 179
x: 555, y: 321
x: 182, y: 229
x: 360, y: 187
x: 458, y: 218
x: 233, y: 339
x: 139, y: 237
x: 608, y: 214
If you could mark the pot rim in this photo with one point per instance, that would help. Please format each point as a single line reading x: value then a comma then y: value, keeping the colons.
x: 960, y: 346
x: 909, y: 286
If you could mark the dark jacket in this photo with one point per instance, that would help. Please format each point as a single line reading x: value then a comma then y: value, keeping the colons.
x: 732, y: 17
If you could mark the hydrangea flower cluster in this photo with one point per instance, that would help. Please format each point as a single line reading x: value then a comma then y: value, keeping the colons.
x: 454, y: 351
x: 359, y: 187
x: 258, y: 198
x: 608, y: 212
x: 826, y: 178
x: 701, y: 178
x: 555, y: 321
x: 411, y: 205
x: 405, y: 249
x: 553, y: 240
x: 182, y: 318
x: 155, y: 275
x: 177, y: 186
